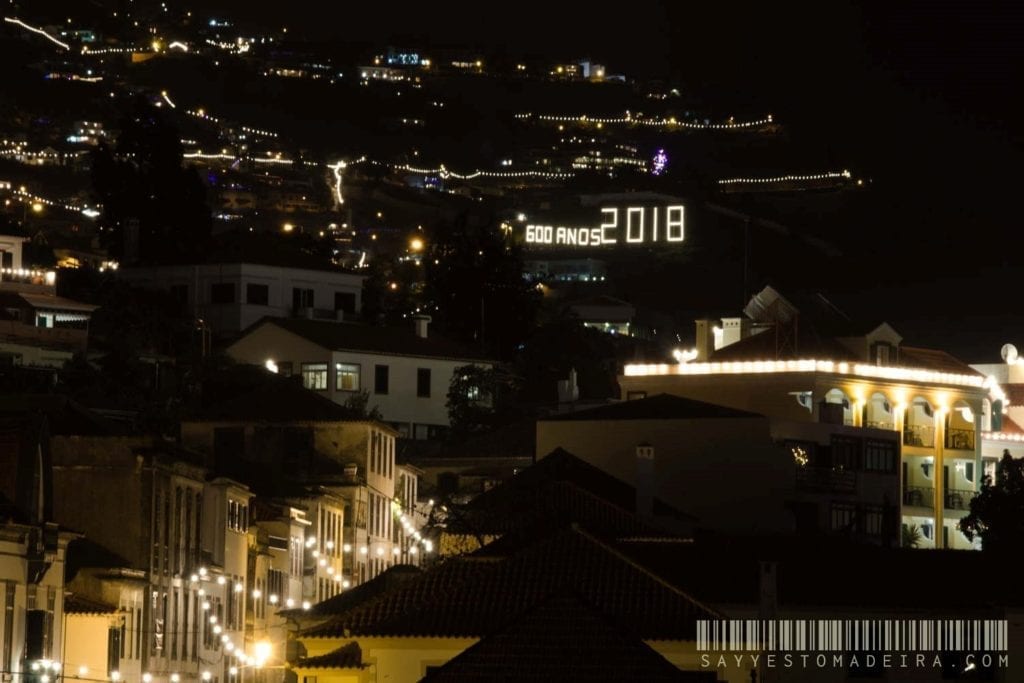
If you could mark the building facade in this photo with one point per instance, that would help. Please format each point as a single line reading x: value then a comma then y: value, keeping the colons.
x: 776, y: 364
x: 229, y: 297
x: 406, y: 372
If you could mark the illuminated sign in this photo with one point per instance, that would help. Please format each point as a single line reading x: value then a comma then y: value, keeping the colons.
x: 619, y: 225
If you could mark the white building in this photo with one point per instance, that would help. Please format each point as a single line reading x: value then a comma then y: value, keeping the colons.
x: 780, y: 363
x: 229, y: 297
x: 406, y: 372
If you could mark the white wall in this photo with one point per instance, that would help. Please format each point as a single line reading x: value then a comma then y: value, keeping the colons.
x: 234, y: 317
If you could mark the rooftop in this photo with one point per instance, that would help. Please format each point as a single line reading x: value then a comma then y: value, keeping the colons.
x: 396, y: 341
x: 563, y: 638
x: 472, y: 597
x: 658, y: 407
x: 561, y: 488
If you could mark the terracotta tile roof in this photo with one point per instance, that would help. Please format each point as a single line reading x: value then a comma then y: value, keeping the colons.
x: 75, y: 604
x: 1014, y: 394
x: 1009, y: 426
x: 933, y: 359
x: 773, y: 345
x: 560, y: 489
x: 347, y: 656
x: 658, y: 407
x: 347, y: 600
x: 475, y: 596
x: 398, y: 341
x: 278, y: 400
x: 561, y: 639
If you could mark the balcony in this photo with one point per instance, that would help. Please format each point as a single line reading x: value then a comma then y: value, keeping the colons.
x: 960, y: 439
x: 957, y: 499
x: 918, y: 496
x: 874, y: 424
x: 828, y: 479
x: 919, y: 435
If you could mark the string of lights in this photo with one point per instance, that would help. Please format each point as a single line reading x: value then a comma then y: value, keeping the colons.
x: 639, y: 120
x: 828, y: 366
x: 830, y: 175
x: 37, y: 31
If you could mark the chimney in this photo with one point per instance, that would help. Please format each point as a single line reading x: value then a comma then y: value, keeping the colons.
x: 645, y: 480
x: 705, y: 340
x: 420, y: 323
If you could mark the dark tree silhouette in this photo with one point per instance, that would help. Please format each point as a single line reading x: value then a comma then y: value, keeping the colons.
x: 475, y: 286
x: 154, y: 208
x: 997, y: 512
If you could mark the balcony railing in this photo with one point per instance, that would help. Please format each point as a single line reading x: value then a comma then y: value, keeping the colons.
x: 874, y: 424
x: 919, y: 496
x: 960, y: 439
x: 957, y: 499
x: 919, y: 435
x: 825, y: 479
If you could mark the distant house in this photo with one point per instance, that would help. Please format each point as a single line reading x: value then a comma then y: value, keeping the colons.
x: 37, y: 327
x: 406, y: 371
x: 229, y: 297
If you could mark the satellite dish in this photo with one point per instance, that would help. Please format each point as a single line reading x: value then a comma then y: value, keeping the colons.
x: 1009, y: 353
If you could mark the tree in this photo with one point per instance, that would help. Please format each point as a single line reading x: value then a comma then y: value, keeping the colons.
x: 997, y: 512
x: 359, y: 403
x: 480, y: 398
x: 475, y: 286
x: 143, y: 185
x: 911, y: 534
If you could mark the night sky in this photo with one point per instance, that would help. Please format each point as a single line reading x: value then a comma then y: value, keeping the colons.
x: 921, y: 97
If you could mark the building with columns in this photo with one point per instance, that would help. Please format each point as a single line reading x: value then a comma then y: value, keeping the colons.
x: 809, y: 364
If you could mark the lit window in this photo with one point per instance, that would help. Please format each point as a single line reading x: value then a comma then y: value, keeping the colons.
x: 347, y: 377
x: 314, y: 376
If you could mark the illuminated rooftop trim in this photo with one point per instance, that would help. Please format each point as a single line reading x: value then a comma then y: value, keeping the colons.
x: 1002, y: 436
x: 812, y: 365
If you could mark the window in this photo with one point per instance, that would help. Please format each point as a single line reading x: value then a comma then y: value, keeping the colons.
x: 284, y: 368
x: 302, y: 298
x: 846, y: 452
x: 314, y: 376
x: 346, y: 377
x: 873, y: 520
x: 238, y: 516
x: 843, y: 516
x: 345, y: 301
x: 879, y: 456
x: 257, y: 294
x: 8, y: 652
x: 222, y: 293
x: 276, y: 585
x: 380, y: 379
x: 423, y: 382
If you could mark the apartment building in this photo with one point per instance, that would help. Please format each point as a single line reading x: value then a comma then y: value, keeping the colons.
x: 809, y: 365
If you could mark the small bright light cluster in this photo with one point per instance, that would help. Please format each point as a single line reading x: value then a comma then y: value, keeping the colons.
x: 659, y: 163
x: 46, y: 668
x: 410, y: 530
x: 831, y: 175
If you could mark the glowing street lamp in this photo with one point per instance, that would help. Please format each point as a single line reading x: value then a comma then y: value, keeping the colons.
x: 415, y: 244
